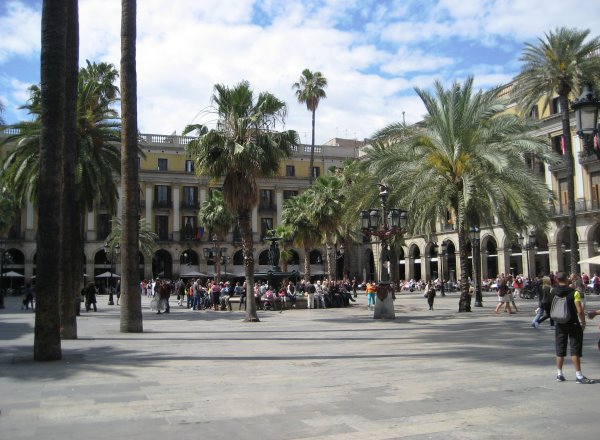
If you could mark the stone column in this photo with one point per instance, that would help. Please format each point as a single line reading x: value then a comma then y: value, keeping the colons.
x: 91, y: 231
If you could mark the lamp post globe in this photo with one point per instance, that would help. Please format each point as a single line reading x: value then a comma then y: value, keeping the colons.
x: 586, y: 117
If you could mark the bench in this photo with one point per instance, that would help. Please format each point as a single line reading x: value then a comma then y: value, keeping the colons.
x: 301, y: 302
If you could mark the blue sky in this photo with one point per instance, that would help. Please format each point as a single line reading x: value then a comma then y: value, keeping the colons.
x: 373, y: 52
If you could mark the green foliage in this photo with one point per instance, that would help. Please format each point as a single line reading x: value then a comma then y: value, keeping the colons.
x: 98, y: 154
x: 310, y: 89
x: 147, y: 238
x: 244, y: 146
x: 215, y: 216
x: 467, y: 156
x: 558, y: 64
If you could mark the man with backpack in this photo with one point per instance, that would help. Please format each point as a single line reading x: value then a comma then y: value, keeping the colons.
x: 567, y: 312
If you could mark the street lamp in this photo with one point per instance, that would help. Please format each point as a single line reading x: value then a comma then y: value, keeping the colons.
x: 375, y: 223
x: 216, y: 255
x: 339, y: 254
x: 526, y: 246
x: 586, y: 116
x: 112, y: 259
x: 475, y: 234
x: 444, y: 249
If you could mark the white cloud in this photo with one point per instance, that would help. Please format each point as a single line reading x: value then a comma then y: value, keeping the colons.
x: 373, y: 52
x: 20, y: 32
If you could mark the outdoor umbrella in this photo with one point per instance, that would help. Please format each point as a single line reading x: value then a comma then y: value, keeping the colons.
x: 12, y: 274
x: 108, y: 275
x: 592, y: 260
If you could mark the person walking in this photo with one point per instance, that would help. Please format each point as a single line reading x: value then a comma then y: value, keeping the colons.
x: 371, y: 291
x: 571, y: 331
x: 545, y: 301
x: 430, y: 293
x: 310, y: 290
x: 90, y: 297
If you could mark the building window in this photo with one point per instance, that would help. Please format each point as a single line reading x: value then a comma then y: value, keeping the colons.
x: 190, y: 197
x: 103, y: 226
x: 139, y: 163
x: 557, y: 145
x: 266, y: 225
x: 189, y: 166
x: 563, y: 196
x: 290, y: 170
x: 595, y: 188
x: 162, y: 196
x: 163, y: 165
x: 162, y: 227
x: 534, y: 113
x: 556, y: 106
x: 266, y: 198
x: 189, y: 228
x: 288, y: 194
x: 316, y: 172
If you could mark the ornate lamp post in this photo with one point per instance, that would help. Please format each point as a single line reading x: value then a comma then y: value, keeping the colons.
x: 375, y: 223
x: 475, y: 234
x: 526, y: 246
x: 339, y: 254
x: 586, y: 116
x: 444, y: 249
x: 112, y: 259
x: 215, y: 254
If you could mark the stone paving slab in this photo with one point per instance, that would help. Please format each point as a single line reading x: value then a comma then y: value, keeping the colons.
x: 300, y: 374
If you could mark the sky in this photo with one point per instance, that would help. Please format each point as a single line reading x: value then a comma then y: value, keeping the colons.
x: 372, y: 52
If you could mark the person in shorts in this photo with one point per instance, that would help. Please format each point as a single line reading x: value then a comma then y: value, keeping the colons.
x: 571, y: 332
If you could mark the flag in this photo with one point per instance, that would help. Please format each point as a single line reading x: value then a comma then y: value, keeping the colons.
x: 562, y: 145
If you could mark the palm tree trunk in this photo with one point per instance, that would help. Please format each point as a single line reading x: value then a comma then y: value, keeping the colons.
x: 248, y: 250
x: 312, y: 150
x: 47, y: 344
x: 306, y: 263
x: 464, y: 303
x: 70, y: 252
x: 568, y: 158
x: 131, y: 299
x: 330, y: 257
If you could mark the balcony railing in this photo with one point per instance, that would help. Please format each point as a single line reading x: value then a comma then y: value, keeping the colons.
x: 581, y: 206
x: 162, y: 204
x: 190, y: 204
x: 586, y: 159
x: 559, y: 166
x: 267, y: 207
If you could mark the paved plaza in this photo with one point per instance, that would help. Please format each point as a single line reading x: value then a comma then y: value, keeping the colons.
x: 300, y: 374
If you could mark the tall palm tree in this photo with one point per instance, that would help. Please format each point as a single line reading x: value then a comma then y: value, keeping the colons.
x: 296, y: 214
x: 558, y: 65
x: 243, y: 148
x: 47, y: 344
x: 70, y: 276
x: 325, y: 212
x: 218, y: 219
x: 310, y: 89
x: 465, y: 157
x: 131, y: 300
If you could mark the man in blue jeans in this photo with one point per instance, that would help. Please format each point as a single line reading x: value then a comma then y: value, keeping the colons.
x: 571, y: 331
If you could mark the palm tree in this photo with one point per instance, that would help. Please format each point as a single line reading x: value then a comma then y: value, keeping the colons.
x: 558, y: 65
x: 296, y: 214
x: 327, y: 205
x: 465, y: 157
x: 310, y: 89
x: 287, y: 234
x: 47, y: 344
x: 70, y: 276
x: 146, y: 243
x: 218, y: 219
x: 242, y: 148
x: 8, y: 209
x: 131, y: 300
